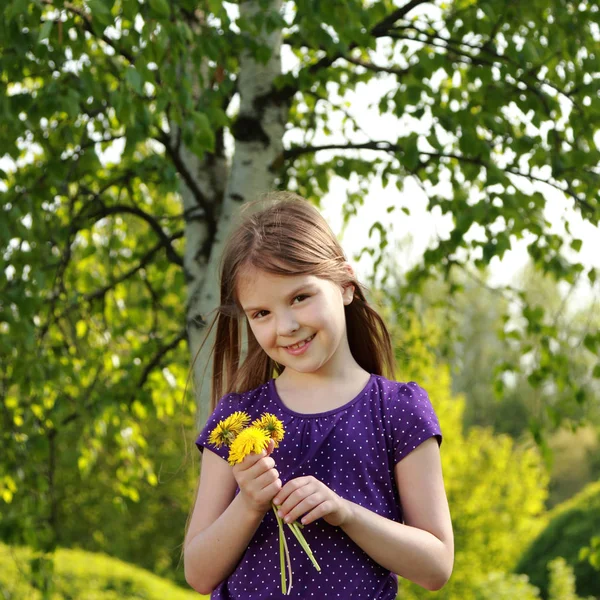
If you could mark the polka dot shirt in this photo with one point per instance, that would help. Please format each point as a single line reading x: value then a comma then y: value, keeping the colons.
x: 353, y: 450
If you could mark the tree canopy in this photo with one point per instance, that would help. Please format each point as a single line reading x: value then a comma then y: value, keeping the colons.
x: 133, y: 131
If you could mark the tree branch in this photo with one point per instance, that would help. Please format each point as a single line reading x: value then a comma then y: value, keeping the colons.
x: 101, y: 292
x: 187, y: 176
x: 383, y: 26
x: 377, y: 68
x: 156, y: 360
x: 385, y: 146
x: 87, y: 21
x: 379, y: 30
x: 450, y: 44
x: 116, y: 209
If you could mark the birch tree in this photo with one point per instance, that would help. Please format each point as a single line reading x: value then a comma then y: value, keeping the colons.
x: 133, y: 132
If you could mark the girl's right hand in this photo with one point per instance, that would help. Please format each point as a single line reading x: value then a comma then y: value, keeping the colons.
x: 258, y: 480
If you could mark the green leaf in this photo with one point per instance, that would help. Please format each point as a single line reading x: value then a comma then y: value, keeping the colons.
x: 160, y: 8
x: 71, y: 100
x: 590, y: 341
x: 530, y: 52
x: 134, y: 79
x: 495, y: 175
x: 411, y: 151
x: 203, y: 135
x: 45, y: 30
x: 100, y: 12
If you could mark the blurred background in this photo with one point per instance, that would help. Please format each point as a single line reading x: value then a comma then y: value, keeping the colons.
x: 453, y: 147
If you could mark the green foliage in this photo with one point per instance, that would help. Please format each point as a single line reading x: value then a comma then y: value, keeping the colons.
x: 574, y: 462
x: 111, y: 109
x: 497, y: 346
x: 142, y: 523
x: 570, y: 527
x: 147, y: 530
x: 79, y: 574
x: 562, y: 580
x: 591, y: 553
x: 503, y: 586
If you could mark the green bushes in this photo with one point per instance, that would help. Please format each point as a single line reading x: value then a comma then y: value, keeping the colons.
x: 83, y: 575
x: 570, y: 528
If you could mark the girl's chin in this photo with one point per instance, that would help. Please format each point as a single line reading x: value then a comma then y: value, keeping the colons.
x: 302, y: 369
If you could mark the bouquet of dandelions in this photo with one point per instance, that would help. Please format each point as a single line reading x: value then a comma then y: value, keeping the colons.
x: 242, y: 440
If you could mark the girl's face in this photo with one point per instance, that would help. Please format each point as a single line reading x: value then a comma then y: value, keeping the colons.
x: 298, y: 320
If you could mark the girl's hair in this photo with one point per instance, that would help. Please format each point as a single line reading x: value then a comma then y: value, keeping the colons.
x: 288, y: 237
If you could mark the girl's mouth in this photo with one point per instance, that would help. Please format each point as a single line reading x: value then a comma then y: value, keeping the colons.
x: 300, y: 347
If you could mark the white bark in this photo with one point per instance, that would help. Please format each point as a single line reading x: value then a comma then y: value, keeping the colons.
x: 195, y: 263
x: 259, y: 141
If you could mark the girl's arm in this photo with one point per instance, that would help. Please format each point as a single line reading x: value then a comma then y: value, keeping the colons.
x: 223, y: 524
x: 421, y: 550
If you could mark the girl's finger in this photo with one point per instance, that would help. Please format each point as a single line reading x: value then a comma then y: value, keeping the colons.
x: 270, y: 447
x: 317, y: 512
x: 268, y: 492
x: 298, y: 496
x: 290, y: 487
x: 250, y: 460
x: 267, y: 478
x: 301, y: 508
x: 266, y: 463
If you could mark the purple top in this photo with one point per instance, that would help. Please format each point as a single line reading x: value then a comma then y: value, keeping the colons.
x: 353, y: 450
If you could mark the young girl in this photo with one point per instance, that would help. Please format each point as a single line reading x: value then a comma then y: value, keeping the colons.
x: 359, y: 465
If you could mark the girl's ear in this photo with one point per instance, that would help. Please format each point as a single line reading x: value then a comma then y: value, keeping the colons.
x: 348, y: 289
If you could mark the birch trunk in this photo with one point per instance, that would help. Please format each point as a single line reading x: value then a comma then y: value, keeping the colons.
x: 258, y: 133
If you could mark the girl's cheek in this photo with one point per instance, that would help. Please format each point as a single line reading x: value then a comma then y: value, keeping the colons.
x: 264, y: 337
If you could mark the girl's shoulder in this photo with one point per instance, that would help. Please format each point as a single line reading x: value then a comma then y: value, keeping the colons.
x: 407, y: 414
x: 392, y: 390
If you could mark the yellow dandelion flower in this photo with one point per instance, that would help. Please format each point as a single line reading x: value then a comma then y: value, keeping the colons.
x: 250, y: 440
x: 237, y: 421
x: 272, y: 425
x: 227, y: 430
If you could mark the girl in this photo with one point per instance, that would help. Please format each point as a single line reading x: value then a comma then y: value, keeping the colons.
x: 359, y: 465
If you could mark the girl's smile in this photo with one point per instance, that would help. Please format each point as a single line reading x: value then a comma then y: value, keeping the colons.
x: 298, y: 320
x: 300, y: 347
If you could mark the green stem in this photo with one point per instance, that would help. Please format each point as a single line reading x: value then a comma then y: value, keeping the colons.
x: 281, y: 556
x: 296, y: 531
x: 284, y: 555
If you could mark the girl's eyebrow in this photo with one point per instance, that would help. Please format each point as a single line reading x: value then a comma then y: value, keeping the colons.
x: 307, y: 287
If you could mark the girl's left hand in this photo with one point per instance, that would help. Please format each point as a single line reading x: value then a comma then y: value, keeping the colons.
x: 310, y: 497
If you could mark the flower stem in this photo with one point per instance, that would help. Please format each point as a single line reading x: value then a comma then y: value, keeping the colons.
x: 296, y: 531
x: 284, y: 555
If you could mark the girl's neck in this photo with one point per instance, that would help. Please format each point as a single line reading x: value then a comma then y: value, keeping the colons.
x: 322, y: 380
x: 311, y: 393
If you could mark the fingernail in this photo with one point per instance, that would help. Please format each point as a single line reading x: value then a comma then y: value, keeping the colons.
x: 276, y: 501
x: 287, y: 519
x: 279, y: 513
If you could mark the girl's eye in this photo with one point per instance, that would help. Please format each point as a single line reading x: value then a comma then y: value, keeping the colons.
x: 260, y: 314
x: 299, y: 298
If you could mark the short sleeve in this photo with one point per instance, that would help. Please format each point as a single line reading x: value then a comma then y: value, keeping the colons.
x: 413, y: 419
x: 226, y: 406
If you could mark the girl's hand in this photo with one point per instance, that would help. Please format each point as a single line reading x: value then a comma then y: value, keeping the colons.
x: 258, y: 480
x: 310, y: 497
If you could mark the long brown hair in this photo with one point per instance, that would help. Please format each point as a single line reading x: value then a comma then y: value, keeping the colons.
x: 287, y: 237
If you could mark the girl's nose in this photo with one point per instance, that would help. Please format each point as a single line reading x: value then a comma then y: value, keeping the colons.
x: 287, y: 325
